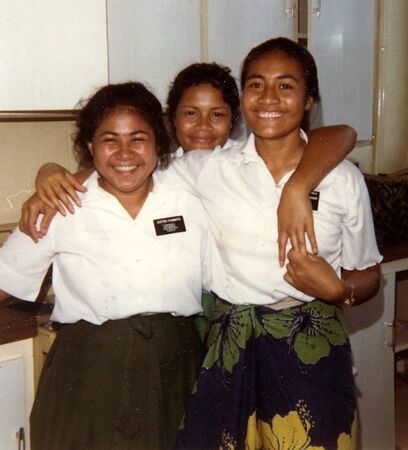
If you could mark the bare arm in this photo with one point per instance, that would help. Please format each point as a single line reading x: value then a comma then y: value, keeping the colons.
x: 327, y: 147
x: 56, y: 190
x: 57, y: 187
x: 314, y: 276
x: 30, y: 211
x: 3, y: 295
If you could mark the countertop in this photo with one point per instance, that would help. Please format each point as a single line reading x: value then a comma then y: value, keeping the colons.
x: 16, y: 325
x: 19, y: 319
x: 394, y: 252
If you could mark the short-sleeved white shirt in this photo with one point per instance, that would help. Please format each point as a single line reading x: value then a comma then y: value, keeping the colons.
x: 107, y: 265
x: 241, y: 199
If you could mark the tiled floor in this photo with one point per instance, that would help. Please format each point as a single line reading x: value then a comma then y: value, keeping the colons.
x: 401, y: 413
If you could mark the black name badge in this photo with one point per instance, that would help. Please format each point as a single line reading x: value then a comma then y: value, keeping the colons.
x: 314, y: 198
x: 169, y: 225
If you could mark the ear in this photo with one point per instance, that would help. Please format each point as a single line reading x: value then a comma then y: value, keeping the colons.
x: 90, y: 148
x: 308, y: 104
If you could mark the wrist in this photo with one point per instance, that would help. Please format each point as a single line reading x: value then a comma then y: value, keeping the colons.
x: 297, y: 185
x: 348, y: 299
x: 303, y: 179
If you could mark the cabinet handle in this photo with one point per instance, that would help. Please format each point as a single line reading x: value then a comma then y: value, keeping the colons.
x: 316, y: 8
x: 291, y: 8
x: 389, y: 334
x: 21, y: 439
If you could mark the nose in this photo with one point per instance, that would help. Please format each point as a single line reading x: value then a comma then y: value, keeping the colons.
x: 270, y: 95
x: 203, y: 121
x: 125, y: 151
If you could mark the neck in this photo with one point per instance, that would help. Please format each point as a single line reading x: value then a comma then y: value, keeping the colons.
x: 280, y: 155
x: 133, y: 201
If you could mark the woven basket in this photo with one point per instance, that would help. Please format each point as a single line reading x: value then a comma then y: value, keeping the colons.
x: 389, y: 203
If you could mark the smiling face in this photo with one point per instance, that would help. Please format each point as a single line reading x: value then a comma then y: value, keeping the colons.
x: 274, y: 96
x: 124, y: 153
x: 202, y: 119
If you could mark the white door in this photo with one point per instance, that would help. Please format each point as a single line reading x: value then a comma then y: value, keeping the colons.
x: 341, y: 38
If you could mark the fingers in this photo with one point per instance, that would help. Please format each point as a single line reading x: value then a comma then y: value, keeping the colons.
x: 30, y: 211
x: 60, y: 192
x: 300, y: 242
x: 288, y: 279
x: 25, y: 226
x: 76, y: 186
x: 59, y: 196
x: 46, y: 220
x: 282, y: 243
x: 312, y: 239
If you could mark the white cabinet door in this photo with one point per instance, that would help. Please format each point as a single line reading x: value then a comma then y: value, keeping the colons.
x: 371, y: 335
x: 341, y: 38
x: 53, y: 53
x: 235, y: 26
x: 152, y: 40
x: 16, y: 393
x: 12, y: 403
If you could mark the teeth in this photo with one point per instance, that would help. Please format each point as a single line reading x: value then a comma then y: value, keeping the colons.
x: 269, y: 114
x: 125, y: 168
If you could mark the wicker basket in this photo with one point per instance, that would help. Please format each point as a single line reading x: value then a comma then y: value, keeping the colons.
x: 389, y: 203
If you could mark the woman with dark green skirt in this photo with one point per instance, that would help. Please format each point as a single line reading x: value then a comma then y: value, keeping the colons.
x: 128, y: 276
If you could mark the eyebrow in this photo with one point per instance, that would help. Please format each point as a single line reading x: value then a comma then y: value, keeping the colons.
x: 280, y: 77
x: 132, y: 133
x: 198, y: 107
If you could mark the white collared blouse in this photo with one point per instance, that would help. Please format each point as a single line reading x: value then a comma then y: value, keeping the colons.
x: 107, y: 265
x: 241, y: 200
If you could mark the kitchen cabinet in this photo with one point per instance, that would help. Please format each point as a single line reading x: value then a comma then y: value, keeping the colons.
x: 372, y: 333
x: 53, y: 54
x: 341, y: 37
x: 42, y: 345
x: 151, y: 40
x: 235, y: 26
x: 16, y: 393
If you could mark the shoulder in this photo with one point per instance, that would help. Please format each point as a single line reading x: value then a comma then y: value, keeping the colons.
x: 346, y: 174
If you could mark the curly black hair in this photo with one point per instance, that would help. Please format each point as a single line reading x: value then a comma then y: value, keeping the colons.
x: 130, y: 95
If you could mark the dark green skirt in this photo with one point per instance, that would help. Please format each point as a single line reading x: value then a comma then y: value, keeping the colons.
x: 273, y: 380
x: 120, y: 385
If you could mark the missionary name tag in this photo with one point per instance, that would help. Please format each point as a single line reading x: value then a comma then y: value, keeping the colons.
x: 169, y: 225
x: 314, y: 198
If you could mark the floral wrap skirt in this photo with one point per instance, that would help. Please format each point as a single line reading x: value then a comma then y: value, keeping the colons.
x: 273, y: 380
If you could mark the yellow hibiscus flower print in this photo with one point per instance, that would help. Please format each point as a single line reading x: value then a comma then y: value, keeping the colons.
x: 290, y: 432
x: 348, y: 441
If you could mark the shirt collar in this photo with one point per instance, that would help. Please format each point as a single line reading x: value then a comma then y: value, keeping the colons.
x: 180, y: 151
x: 248, y: 150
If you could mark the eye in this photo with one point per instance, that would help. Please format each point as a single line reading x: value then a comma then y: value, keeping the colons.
x: 219, y: 114
x: 255, y: 85
x: 190, y: 113
x: 108, y: 140
x: 285, y: 86
x: 138, y: 140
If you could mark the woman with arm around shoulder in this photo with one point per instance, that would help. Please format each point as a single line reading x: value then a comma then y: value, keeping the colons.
x: 278, y: 367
